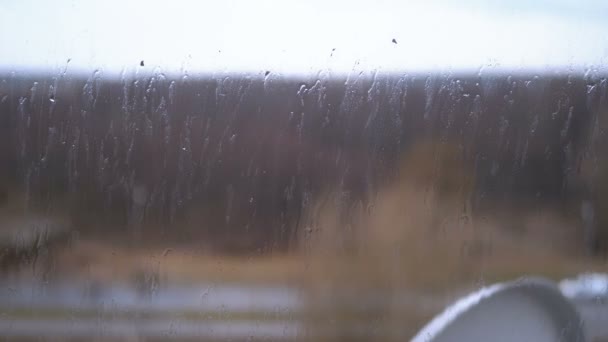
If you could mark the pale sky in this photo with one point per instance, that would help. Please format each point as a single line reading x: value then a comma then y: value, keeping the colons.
x: 288, y: 36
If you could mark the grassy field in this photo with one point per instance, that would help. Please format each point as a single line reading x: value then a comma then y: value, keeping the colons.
x: 350, y: 292
x: 388, y: 267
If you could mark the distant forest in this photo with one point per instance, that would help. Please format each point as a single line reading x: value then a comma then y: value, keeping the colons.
x: 242, y: 158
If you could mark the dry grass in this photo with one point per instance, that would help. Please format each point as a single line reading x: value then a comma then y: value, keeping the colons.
x: 103, y: 262
x: 420, y: 237
x: 421, y: 234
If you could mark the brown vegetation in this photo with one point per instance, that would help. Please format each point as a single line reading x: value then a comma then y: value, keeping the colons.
x: 421, y: 237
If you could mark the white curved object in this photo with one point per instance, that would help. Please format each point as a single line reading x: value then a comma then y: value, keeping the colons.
x: 530, y: 309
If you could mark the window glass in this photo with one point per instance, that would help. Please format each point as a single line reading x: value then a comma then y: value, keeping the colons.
x: 288, y: 170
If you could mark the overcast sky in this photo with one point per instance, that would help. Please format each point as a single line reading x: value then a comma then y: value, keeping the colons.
x: 299, y: 36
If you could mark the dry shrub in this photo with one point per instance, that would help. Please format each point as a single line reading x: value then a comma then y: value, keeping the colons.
x: 420, y: 238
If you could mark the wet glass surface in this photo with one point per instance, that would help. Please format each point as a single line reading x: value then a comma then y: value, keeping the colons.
x: 166, y: 191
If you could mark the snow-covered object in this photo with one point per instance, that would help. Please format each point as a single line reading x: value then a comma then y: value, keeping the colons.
x: 586, y: 286
x: 530, y: 309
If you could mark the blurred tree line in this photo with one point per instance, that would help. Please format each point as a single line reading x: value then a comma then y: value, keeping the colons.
x: 238, y: 160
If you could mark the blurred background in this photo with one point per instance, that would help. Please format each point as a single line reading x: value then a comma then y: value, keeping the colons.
x: 295, y: 170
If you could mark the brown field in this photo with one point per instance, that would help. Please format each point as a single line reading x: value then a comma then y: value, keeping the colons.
x: 420, y: 232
